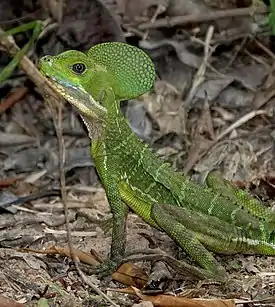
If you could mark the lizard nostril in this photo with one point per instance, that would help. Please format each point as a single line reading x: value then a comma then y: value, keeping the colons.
x: 47, y: 59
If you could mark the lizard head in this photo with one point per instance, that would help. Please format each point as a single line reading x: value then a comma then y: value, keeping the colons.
x: 68, y: 73
x: 81, y: 78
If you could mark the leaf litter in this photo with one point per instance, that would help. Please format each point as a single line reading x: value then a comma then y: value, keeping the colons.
x: 237, y: 82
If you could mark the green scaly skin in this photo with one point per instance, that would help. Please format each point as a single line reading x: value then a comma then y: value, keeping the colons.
x: 222, y: 219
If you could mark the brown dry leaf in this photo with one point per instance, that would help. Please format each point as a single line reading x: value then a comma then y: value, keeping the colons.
x: 176, y: 301
x: 9, y: 181
x: 65, y: 251
x: 6, y: 302
x: 164, y: 107
x: 131, y: 275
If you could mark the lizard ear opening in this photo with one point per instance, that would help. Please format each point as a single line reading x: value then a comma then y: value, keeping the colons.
x: 131, y: 69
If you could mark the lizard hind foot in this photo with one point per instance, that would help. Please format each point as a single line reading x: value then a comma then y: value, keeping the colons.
x: 106, y: 268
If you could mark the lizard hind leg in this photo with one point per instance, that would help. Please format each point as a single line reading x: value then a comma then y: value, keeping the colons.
x: 186, y: 238
x: 242, y: 197
x: 161, y: 219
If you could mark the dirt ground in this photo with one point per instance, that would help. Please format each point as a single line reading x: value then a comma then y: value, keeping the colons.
x: 212, y: 107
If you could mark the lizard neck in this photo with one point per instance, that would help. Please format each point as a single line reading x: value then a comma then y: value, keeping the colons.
x: 112, y: 128
x: 116, y: 127
x: 94, y: 127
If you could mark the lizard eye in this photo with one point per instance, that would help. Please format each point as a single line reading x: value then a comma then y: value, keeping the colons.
x: 79, y: 68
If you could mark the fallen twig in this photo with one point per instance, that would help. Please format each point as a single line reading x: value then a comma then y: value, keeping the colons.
x: 170, y: 22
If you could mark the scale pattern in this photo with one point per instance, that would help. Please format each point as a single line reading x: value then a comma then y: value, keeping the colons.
x: 132, y: 70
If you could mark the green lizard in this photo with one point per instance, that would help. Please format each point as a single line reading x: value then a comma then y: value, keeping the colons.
x: 200, y: 219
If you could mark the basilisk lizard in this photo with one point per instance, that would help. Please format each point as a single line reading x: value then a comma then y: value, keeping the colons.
x: 200, y: 219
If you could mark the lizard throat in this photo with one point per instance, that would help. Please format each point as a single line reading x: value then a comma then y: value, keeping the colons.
x: 79, y: 98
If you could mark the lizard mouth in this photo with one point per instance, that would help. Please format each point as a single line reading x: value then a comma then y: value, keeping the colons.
x: 78, y: 97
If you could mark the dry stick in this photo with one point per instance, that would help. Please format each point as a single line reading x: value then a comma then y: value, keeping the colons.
x: 30, y: 69
x: 263, y: 47
x: 240, y: 122
x: 169, y: 22
x: 55, y: 101
x: 160, y: 9
x: 198, y: 79
x: 235, y: 54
